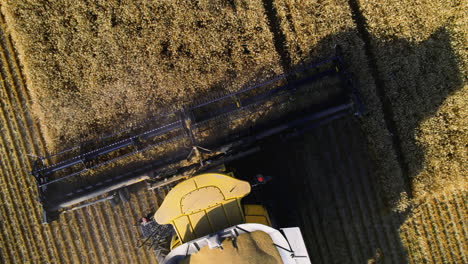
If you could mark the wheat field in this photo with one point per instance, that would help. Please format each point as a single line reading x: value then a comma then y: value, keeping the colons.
x: 73, y: 70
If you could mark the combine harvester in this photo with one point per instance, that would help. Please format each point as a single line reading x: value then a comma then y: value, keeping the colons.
x: 202, y: 220
x: 203, y: 210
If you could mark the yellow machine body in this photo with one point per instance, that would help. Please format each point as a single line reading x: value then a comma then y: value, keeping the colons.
x: 203, y: 205
x: 255, y: 213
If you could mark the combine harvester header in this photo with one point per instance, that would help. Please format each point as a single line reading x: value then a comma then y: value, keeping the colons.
x: 197, y: 137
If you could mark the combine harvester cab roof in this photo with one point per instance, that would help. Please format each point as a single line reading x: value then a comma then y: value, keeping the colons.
x: 215, y: 131
x: 211, y: 200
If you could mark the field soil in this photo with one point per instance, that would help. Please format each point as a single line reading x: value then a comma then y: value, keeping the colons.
x: 387, y: 187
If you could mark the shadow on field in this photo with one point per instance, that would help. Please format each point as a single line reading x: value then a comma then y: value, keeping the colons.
x: 328, y: 183
x: 414, y: 79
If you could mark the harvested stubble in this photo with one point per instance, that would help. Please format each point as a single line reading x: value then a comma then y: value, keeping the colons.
x: 435, y: 231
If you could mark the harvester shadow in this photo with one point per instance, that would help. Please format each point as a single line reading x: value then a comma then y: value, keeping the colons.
x: 337, y: 182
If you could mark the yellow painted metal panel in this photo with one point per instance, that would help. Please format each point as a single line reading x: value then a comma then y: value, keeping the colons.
x: 175, y: 241
x: 255, y: 213
x: 203, y: 204
x: 230, y: 188
x: 200, y: 199
x: 217, y: 217
x: 234, y: 212
x: 202, y: 226
x: 258, y: 219
x: 183, y: 228
x: 170, y: 208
